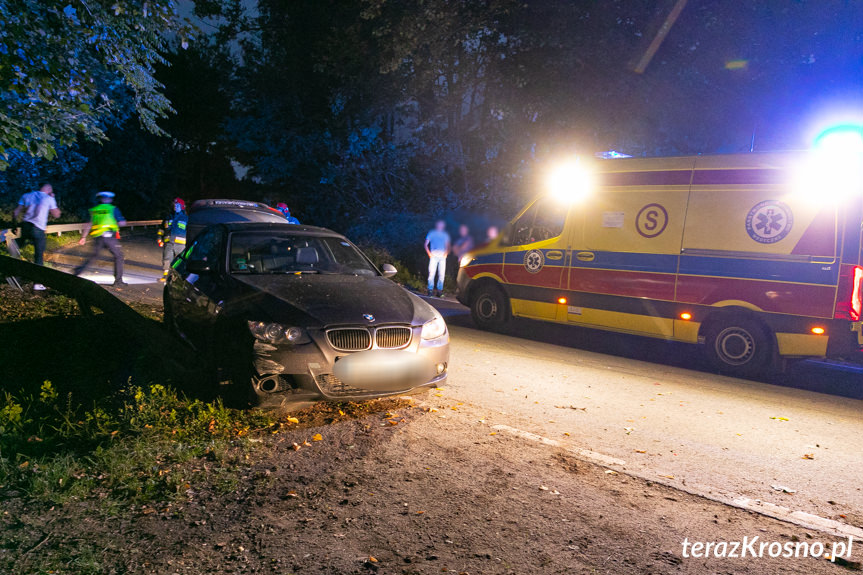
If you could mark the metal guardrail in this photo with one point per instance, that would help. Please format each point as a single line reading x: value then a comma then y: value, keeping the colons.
x: 60, y: 229
x: 7, y: 237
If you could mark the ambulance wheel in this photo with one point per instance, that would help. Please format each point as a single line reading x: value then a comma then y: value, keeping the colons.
x: 489, y: 308
x: 738, y: 345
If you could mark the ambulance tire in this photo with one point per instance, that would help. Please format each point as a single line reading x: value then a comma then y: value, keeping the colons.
x: 489, y: 307
x: 738, y: 345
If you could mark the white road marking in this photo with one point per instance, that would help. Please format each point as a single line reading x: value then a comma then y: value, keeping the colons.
x: 587, y: 454
x: 800, y: 518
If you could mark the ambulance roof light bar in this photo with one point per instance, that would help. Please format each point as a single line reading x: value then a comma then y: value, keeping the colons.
x: 844, y: 140
x: 570, y: 182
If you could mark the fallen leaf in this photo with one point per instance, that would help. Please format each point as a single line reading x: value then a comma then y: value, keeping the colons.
x: 296, y: 447
x: 611, y: 472
x: 420, y: 512
x: 543, y: 488
x: 779, y: 418
x: 293, y: 420
x: 667, y: 476
x: 641, y: 451
x: 372, y: 559
x: 629, y: 430
x: 808, y: 456
x: 493, y: 433
x: 317, y: 437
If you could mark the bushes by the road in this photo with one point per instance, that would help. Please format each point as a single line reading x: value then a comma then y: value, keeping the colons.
x: 130, y: 447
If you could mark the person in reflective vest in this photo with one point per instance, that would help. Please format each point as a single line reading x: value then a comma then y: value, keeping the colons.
x: 172, y: 235
x: 286, y: 211
x: 104, y: 229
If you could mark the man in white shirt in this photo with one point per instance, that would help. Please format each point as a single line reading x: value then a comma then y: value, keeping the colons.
x: 33, y: 211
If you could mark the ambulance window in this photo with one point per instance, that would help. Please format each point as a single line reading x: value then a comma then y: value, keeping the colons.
x: 543, y: 221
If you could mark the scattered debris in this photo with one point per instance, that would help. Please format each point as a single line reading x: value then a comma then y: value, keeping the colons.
x: 783, y: 489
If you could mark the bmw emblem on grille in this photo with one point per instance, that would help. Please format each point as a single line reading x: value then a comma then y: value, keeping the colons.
x: 369, y: 317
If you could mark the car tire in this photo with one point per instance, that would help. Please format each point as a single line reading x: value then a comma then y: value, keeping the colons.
x: 739, y: 346
x: 489, y: 308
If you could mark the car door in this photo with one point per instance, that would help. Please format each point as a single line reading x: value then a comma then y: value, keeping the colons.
x: 536, y: 247
x: 193, y: 298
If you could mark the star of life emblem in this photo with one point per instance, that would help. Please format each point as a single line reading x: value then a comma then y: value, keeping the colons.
x: 769, y: 221
x: 533, y: 261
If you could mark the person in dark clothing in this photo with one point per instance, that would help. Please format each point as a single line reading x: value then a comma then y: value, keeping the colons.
x: 283, y: 207
x: 172, y: 235
x: 104, y: 228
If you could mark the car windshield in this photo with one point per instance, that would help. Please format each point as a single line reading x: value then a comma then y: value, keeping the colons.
x: 287, y: 253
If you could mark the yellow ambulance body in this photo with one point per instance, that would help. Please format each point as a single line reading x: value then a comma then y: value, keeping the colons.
x: 755, y: 256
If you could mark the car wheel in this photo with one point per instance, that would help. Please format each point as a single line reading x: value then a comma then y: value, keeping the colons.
x: 738, y: 345
x: 489, y: 308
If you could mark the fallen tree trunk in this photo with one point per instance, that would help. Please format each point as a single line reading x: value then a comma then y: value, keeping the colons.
x: 90, y: 295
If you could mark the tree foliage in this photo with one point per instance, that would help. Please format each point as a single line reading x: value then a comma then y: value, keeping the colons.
x: 357, y: 112
x: 70, y: 68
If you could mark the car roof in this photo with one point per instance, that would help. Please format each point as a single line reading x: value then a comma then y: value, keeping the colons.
x: 285, y: 227
x: 229, y: 204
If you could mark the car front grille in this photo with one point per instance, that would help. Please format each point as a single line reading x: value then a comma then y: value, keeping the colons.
x: 360, y: 338
x: 392, y: 337
x: 351, y: 339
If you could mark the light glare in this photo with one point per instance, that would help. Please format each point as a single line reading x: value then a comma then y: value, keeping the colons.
x: 569, y: 182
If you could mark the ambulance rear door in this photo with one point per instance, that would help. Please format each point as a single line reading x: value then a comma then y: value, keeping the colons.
x: 755, y: 239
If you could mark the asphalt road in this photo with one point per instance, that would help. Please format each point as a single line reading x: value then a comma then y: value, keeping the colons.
x: 654, y: 406
x: 651, y: 405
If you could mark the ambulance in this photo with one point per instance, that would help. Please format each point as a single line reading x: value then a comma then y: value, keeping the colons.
x: 756, y: 257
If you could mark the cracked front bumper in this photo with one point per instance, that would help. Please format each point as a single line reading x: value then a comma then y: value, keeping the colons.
x: 307, y: 372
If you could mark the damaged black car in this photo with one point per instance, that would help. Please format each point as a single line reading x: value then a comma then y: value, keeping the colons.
x: 288, y: 314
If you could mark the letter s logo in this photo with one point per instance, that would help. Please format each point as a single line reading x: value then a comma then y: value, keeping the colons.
x: 651, y: 220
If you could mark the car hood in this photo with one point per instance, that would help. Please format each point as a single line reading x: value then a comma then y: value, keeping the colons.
x: 328, y: 300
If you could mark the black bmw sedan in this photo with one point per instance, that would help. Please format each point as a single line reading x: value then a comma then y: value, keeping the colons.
x: 287, y: 314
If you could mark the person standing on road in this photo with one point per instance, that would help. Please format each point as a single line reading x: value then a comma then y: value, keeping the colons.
x: 104, y: 227
x: 286, y: 211
x: 437, y: 247
x: 172, y: 235
x: 36, y: 207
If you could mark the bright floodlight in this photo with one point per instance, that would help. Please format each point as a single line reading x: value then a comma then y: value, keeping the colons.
x: 569, y: 182
x: 835, y: 169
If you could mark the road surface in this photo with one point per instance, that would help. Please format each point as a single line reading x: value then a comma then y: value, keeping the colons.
x: 665, y: 419
x: 649, y: 408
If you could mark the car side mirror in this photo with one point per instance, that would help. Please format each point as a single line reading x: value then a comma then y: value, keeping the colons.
x: 199, y: 267
x: 389, y: 270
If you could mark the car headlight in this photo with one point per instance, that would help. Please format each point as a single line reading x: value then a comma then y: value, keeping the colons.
x: 277, y: 333
x: 465, y: 260
x: 434, y: 329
